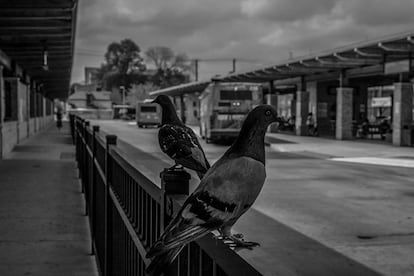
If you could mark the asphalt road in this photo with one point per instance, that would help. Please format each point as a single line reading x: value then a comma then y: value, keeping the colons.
x: 363, y: 211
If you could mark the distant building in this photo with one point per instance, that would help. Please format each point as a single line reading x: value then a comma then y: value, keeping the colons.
x: 91, y: 75
x: 90, y: 100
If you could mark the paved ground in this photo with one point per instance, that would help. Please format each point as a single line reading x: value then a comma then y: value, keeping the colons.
x: 43, y: 230
x: 324, y: 190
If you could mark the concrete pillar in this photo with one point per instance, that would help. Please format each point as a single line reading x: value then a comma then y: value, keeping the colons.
x: 1, y: 110
x: 344, y: 111
x: 271, y: 99
x: 302, y: 110
x: 182, y: 109
x: 402, y: 114
x: 313, y: 99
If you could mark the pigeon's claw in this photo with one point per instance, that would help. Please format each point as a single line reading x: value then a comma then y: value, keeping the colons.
x: 238, y: 236
x: 236, y: 241
x: 239, y: 243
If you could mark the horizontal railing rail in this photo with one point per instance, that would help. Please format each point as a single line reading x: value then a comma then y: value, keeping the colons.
x: 128, y: 212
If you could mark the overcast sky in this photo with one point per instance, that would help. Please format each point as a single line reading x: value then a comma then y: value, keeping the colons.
x: 255, y: 32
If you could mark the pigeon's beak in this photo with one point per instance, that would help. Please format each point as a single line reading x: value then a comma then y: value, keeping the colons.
x: 279, y: 120
x: 154, y: 101
x: 276, y: 119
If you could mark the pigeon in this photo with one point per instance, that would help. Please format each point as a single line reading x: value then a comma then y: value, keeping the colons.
x: 179, y: 141
x: 227, y: 191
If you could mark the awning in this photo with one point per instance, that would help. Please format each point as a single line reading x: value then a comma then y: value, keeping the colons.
x: 388, y: 51
x: 187, y: 88
x: 29, y: 29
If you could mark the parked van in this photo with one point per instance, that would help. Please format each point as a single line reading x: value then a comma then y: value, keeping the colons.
x: 148, y: 114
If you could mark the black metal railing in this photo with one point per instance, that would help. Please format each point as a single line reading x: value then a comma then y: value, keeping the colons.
x: 127, y: 212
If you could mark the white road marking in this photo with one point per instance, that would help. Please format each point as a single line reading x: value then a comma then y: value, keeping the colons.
x: 397, y: 162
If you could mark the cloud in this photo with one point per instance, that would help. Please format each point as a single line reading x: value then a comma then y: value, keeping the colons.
x: 256, y: 30
x: 286, y: 10
x: 380, y: 12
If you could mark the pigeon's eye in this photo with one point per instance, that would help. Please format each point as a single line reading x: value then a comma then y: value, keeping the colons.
x: 268, y: 113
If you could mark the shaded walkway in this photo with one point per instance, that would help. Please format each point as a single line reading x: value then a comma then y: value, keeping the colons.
x: 43, y: 230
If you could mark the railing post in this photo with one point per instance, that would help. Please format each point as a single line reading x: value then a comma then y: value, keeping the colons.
x: 173, y: 181
x: 92, y: 210
x: 72, y: 126
x: 76, y: 141
x: 110, y: 141
x: 86, y: 167
x: 85, y: 155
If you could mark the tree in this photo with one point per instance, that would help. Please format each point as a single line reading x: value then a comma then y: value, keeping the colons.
x: 171, y: 68
x: 123, y: 65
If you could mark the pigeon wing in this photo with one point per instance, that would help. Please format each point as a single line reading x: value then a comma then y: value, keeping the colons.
x: 177, y: 142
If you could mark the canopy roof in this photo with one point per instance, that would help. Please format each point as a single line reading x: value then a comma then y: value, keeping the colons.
x: 181, y: 89
x: 387, y: 50
x: 28, y: 28
x: 376, y: 52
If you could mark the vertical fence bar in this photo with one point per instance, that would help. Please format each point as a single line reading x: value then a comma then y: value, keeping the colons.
x: 85, y: 156
x: 110, y: 140
x: 92, y: 213
x: 86, y: 166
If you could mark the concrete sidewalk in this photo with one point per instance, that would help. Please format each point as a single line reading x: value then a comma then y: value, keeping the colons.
x: 337, y: 148
x: 327, y: 148
x: 43, y: 229
x: 353, y: 151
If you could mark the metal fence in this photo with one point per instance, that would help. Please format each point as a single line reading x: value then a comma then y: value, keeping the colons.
x: 127, y: 212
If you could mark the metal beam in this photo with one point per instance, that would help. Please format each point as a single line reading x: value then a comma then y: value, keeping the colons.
x: 395, y: 48
x: 8, y: 17
x: 354, y: 60
x: 37, y: 36
x: 38, y: 29
x: 364, y: 53
x: 341, y: 63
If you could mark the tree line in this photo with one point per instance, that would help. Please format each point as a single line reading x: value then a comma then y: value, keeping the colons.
x: 125, y: 65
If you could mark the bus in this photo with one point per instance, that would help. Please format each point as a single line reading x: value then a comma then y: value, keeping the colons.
x: 223, y: 107
x: 148, y: 114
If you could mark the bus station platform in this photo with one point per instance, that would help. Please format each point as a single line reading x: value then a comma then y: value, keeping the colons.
x: 43, y: 227
x: 357, y: 151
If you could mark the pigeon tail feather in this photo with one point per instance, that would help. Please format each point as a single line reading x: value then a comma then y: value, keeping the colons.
x: 175, y: 238
x: 161, y: 262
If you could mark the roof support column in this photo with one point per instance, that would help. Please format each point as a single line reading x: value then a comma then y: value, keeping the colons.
x: 271, y: 99
x: 402, y: 113
x: 182, y: 108
x: 302, y: 108
x: 344, y: 108
x: 1, y: 110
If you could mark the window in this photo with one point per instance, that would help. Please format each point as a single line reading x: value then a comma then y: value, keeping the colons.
x: 10, y: 103
x: 39, y: 109
x: 32, y: 103
x: 48, y: 107
x: 236, y: 95
x: 148, y: 109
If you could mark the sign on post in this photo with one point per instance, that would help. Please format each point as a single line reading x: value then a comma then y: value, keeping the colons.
x: 381, y: 102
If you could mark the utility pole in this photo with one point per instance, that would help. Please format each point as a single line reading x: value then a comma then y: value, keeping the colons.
x: 234, y: 65
x: 122, y: 88
x: 196, y: 69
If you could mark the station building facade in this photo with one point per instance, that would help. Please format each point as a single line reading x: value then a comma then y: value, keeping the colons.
x: 368, y: 83
x: 24, y: 110
x: 36, y: 57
